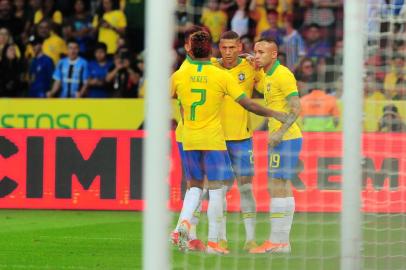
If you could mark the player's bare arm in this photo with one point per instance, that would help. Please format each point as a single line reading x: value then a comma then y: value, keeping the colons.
x: 254, y: 107
x: 291, y: 116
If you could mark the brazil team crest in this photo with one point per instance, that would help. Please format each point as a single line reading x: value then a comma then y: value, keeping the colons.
x: 241, y: 76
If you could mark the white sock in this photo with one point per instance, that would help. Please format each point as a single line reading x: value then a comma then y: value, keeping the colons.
x: 288, y: 219
x: 248, y: 208
x: 215, y: 213
x: 278, y: 211
x: 190, y: 203
x: 179, y: 220
x: 223, y: 230
x: 195, y: 220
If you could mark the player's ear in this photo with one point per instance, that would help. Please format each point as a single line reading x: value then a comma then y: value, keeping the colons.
x: 187, y: 47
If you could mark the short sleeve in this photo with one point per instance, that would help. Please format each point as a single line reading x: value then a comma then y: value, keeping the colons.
x: 57, y: 17
x: 288, y: 84
x: 259, y: 80
x: 57, y: 76
x: 233, y: 89
x: 173, y: 83
x: 122, y: 20
x: 95, y: 21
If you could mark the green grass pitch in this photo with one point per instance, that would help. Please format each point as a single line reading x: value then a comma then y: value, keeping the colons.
x: 107, y: 240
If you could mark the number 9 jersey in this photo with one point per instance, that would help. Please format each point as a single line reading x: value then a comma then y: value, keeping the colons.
x: 200, y: 88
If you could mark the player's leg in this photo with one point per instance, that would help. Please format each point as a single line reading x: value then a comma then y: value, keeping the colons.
x: 241, y: 154
x: 282, y: 163
x: 219, y: 172
x: 195, y: 175
x: 294, y: 148
x: 175, y: 233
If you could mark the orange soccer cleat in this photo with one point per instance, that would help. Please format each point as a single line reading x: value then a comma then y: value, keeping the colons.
x: 174, y: 238
x: 196, y: 245
x: 214, y: 248
x: 183, y: 238
x: 269, y: 247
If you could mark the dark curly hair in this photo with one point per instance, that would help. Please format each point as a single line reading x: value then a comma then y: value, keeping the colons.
x: 200, y: 44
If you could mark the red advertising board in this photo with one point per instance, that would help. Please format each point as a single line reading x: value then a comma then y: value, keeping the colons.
x: 77, y: 169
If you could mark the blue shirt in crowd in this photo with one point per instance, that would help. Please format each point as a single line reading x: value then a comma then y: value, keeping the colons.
x: 41, y: 70
x: 96, y: 71
x: 72, y: 75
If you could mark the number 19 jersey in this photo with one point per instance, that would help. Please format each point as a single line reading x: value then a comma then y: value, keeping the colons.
x: 200, y: 89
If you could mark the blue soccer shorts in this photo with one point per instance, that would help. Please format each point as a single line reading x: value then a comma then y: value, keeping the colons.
x: 283, y: 159
x: 216, y: 165
x: 242, y: 158
x: 182, y: 158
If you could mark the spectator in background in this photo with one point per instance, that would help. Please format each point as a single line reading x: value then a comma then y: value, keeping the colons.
x: 293, y: 44
x: 315, y: 45
x: 5, y: 40
x: 263, y: 6
x: 98, y: 70
x: 273, y: 31
x: 48, y: 11
x: 214, y: 19
x: 242, y: 21
x: 11, y: 70
x: 122, y: 77
x: 321, y: 13
x: 110, y: 22
x: 247, y: 44
x: 53, y: 46
x: 391, y: 120
x: 23, y: 12
x: 81, y: 23
x: 373, y: 89
x: 396, y: 78
x: 135, y: 31
x: 183, y: 23
x: 306, y: 76
x: 142, y: 83
x: 319, y: 111
x: 40, y: 70
x: 7, y: 20
x: 71, y: 74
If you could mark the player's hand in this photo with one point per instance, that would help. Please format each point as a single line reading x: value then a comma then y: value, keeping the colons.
x: 275, y: 138
x: 250, y: 58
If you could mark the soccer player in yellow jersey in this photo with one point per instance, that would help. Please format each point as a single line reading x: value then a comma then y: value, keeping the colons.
x: 285, y: 143
x: 194, y: 243
x: 238, y: 132
x: 201, y: 88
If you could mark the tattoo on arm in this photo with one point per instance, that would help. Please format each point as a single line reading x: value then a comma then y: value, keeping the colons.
x: 294, y: 104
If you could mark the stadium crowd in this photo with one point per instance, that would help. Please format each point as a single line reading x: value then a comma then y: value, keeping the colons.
x: 107, y: 37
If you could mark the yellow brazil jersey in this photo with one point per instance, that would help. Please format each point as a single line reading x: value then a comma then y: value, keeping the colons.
x: 234, y: 118
x: 200, y: 88
x: 110, y: 37
x: 178, y: 131
x: 216, y: 21
x: 279, y: 85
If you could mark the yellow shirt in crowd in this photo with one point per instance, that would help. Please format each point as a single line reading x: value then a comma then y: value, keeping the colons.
x: 57, y: 17
x: 215, y: 21
x: 108, y: 36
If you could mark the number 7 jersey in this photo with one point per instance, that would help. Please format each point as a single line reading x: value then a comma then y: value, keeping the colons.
x: 200, y: 88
